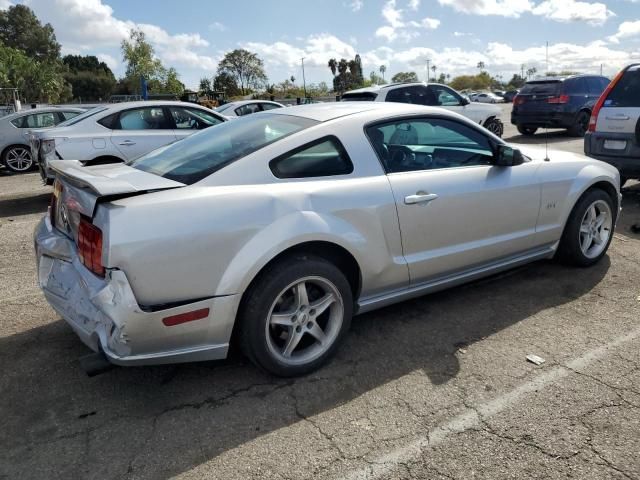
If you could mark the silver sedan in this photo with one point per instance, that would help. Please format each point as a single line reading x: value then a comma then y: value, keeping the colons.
x: 277, y: 228
x: 15, y: 152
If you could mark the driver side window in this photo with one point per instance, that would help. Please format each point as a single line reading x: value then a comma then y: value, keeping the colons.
x: 443, y: 96
x: 427, y: 144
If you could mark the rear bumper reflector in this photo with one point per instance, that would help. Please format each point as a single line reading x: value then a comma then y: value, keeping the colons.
x: 186, y: 317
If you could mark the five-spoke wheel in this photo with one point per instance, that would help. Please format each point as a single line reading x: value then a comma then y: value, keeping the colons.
x: 295, y: 314
x: 589, y: 229
x: 17, y: 158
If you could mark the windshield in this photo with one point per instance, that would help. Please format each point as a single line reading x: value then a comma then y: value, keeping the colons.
x: 198, y: 156
x: 541, y: 88
x: 82, y: 116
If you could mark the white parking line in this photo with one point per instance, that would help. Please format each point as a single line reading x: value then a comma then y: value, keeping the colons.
x: 471, y: 418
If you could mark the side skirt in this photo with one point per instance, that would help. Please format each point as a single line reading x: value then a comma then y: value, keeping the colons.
x: 442, y: 283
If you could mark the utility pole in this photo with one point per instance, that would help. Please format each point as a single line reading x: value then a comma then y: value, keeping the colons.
x: 428, y: 62
x: 547, y: 59
x: 304, y: 82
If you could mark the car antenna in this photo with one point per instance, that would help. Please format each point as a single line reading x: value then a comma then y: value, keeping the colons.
x: 546, y: 127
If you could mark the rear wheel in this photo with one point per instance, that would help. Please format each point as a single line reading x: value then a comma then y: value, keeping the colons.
x: 494, y: 126
x: 17, y: 158
x: 524, y: 130
x: 295, y: 316
x: 589, y: 229
x: 582, y: 123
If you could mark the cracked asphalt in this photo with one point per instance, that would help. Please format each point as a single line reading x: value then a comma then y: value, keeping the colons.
x: 434, y: 388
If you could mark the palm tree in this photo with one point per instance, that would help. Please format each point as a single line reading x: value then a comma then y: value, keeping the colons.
x: 448, y: 78
x: 435, y: 69
x: 383, y: 69
x: 293, y: 79
x: 481, y: 66
x: 333, y: 65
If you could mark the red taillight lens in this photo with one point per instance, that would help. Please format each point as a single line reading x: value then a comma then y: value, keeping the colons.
x: 596, y: 108
x: 559, y: 100
x: 518, y: 100
x: 90, y: 247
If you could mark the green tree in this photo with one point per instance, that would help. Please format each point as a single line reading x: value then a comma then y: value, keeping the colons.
x: 474, y: 82
x: 223, y: 82
x: 89, y: 78
x: 172, y: 84
x: 382, y: 69
x: 21, y: 29
x: 404, y: 77
x: 141, y: 61
x: 246, y: 68
x: 333, y: 66
x: 516, y: 81
x: 205, y: 85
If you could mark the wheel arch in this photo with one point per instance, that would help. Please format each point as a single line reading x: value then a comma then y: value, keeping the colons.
x: 601, y: 183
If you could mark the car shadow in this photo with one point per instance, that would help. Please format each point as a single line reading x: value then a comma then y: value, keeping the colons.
x: 157, y: 422
x: 551, y: 136
x: 24, y: 206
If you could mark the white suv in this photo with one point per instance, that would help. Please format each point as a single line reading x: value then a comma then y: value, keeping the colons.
x: 613, y: 135
x: 119, y: 132
x: 432, y: 95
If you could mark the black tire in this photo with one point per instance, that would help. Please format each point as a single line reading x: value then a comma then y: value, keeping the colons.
x: 569, y: 250
x: 528, y: 131
x: 259, y: 300
x: 17, y: 158
x: 579, y: 128
x: 494, y: 126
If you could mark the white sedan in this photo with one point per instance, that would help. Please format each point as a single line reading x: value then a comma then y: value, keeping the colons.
x: 118, y: 132
x: 278, y: 227
x: 246, y: 107
x: 488, y: 98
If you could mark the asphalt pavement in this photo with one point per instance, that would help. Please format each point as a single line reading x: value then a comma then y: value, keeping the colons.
x: 434, y: 388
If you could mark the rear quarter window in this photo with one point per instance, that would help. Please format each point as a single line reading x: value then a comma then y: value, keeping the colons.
x: 626, y: 93
x: 322, y: 158
x: 359, y: 97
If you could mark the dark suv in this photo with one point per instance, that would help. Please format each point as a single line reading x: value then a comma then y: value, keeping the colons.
x: 614, y: 128
x: 557, y: 103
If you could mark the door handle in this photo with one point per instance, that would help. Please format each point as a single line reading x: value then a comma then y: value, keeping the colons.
x: 618, y: 117
x: 420, y: 197
x: 127, y: 143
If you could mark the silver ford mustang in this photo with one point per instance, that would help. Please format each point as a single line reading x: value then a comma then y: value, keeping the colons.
x: 275, y: 229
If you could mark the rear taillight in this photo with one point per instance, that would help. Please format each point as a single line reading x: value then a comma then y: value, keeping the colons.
x: 90, y: 246
x: 518, y: 100
x: 558, y: 100
x: 596, y: 108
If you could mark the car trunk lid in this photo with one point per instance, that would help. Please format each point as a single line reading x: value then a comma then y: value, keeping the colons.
x: 535, y: 96
x: 620, y: 112
x: 78, y: 189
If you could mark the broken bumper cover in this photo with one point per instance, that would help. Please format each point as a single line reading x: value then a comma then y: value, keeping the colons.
x: 106, y: 316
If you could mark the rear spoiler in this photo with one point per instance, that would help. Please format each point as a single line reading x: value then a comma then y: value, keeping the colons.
x: 110, y: 179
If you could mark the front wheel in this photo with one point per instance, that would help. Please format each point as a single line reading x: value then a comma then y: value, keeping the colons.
x: 495, y: 126
x: 295, y: 315
x: 17, y: 159
x: 589, y: 229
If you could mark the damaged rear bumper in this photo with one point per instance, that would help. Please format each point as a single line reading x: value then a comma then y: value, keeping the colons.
x: 106, y: 316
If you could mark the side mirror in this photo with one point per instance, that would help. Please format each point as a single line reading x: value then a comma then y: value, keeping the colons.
x: 465, y: 101
x: 507, y: 156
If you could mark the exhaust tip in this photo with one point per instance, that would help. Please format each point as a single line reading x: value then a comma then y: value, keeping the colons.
x: 95, y: 364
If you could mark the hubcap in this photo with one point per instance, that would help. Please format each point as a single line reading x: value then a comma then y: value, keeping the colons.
x: 595, y: 229
x: 19, y: 159
x: 304, y: 321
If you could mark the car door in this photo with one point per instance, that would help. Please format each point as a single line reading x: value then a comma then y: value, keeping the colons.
x: 189, y: 120
x: 140, y: 130
x: 456, y: 210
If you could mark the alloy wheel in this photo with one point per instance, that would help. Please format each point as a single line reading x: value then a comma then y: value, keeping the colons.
x: 304, y: 320
x: 595, y: 229
x: 18, y: 159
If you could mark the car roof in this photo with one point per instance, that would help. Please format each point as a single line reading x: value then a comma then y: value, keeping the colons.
x: 114, y: 107
x: 563, y: 78
x: 323, y: 112
x: 239, y: 103
x: 377, y: 88
x: 40, y: 110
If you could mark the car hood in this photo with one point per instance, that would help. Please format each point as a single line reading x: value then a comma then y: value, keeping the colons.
x: 539, y: 153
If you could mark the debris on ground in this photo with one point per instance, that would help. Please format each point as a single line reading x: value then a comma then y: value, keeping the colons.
x: 535, y: 359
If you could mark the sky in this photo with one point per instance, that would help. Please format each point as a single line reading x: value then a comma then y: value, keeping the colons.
x: 454, y: 35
